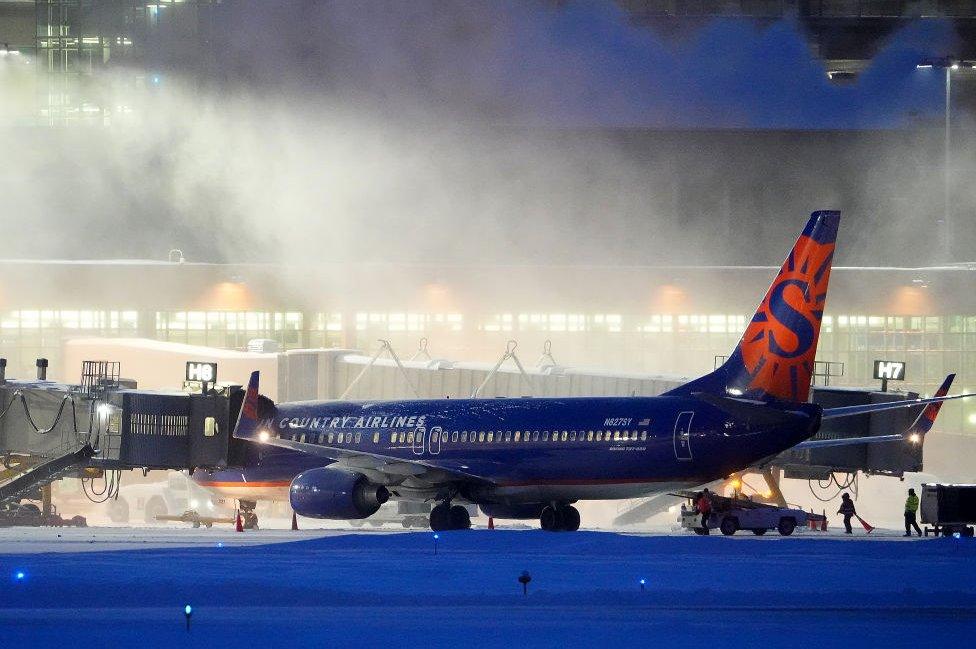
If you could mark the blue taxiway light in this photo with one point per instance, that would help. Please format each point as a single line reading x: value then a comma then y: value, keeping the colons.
x: 436, y: 536
x: 187, y: 609
x: 19, y: 575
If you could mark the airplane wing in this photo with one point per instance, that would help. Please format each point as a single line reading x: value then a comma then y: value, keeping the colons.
x: 848, y: 411
x: 427, y: 470
x: 846, y: 441
x: 915, y: 434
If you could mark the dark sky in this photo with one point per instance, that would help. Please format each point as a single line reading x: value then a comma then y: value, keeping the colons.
x: 575, y: 63
x: 449, y: 131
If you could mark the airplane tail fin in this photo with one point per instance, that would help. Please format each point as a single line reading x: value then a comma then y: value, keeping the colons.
x: 254, y: 410
x: 774, y: 359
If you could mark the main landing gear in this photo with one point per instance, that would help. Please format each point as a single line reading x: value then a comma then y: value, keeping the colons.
x: 560, y: 518
x: 449, y: 517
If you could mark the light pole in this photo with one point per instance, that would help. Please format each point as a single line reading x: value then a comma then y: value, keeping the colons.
x: 949, y: 64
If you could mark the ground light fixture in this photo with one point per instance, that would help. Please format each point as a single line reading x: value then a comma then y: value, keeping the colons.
x: 643, y: 582
x: 187, y: 612
x: 436, y: 537
x: 524, y: 579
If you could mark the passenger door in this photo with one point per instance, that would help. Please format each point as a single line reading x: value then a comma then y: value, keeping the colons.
x: 682, y: 435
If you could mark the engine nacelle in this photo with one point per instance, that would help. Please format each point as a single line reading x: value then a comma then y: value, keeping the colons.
x: 332, y: 493
x: 517, y: 512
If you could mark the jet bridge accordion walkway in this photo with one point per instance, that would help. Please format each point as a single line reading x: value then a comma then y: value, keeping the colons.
x: 43, y: 474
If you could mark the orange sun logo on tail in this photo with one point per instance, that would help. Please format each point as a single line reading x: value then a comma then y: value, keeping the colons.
x: 780, y: 344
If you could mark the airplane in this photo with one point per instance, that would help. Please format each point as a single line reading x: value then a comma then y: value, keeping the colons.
x: 535, y: 457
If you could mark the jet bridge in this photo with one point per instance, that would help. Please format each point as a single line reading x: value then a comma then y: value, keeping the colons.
x: 50, y: 430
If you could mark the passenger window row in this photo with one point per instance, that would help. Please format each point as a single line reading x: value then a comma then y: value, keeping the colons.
x: 517, y: 437
x: 476, y: 437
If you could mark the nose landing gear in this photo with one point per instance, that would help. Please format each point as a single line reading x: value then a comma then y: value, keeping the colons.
x: 248, y: 517
x: 560, y: 518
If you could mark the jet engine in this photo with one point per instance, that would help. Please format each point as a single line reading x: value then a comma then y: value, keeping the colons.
x: 336, y: 494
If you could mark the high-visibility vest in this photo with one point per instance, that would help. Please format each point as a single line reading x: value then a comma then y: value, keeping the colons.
x: 911, y: 505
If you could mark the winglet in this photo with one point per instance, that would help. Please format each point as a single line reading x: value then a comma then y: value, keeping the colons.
x: 926, y: 419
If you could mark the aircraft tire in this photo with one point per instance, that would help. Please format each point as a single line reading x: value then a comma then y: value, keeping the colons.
x: 729, y: 526
x: 155, y: 507
x: 460, y: 519
x: 440, y: 518
x: 570, y: 518
x: 786, y: 526
x: 250, y: 520
x: 550, y: 520
x: 118, y: 510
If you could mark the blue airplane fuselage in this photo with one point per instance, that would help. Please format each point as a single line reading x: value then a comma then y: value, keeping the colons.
x: 532, y: 450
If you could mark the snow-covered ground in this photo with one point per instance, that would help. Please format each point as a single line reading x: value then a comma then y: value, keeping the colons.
x: 389, y: 588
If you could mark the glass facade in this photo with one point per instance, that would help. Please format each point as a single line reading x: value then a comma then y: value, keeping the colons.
x: 932, y: 346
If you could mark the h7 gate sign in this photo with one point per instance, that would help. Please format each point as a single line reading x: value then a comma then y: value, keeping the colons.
x: 889, y: 370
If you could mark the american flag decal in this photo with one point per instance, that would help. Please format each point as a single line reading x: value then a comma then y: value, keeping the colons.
x: 644, y: 422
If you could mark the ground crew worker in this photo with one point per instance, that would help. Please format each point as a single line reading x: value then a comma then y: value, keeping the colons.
x: 704, y: 506
x: 911, y: 509
x: 847, y: 509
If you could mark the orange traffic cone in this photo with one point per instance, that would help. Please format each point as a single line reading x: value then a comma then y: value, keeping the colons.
x: 823, y: 523
x: 491, y: 522
x: 294, y: 521
x: 240, y: 523
x: 867, y: 526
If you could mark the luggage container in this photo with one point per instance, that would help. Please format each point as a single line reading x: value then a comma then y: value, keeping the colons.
x: 948, y: 509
